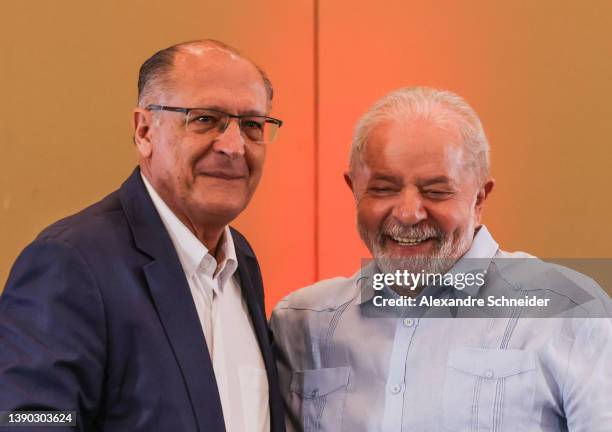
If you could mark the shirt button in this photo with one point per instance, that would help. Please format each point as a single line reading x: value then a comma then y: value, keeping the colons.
x: 408, y: 322
x: 489, y: 374
x: 395, y: 389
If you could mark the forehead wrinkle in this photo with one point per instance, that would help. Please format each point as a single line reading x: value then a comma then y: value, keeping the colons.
x: 190, y: 70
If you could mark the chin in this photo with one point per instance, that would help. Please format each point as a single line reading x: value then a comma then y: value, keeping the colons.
x: 223, y: 210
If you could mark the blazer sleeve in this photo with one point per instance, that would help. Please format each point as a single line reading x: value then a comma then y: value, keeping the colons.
x: 52, y: 334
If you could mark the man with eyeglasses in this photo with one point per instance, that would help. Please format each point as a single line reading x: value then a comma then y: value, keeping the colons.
x: 145, y: 312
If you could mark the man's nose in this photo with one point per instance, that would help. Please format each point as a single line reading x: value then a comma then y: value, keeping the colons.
x: 230, y: 140
x: 410, y: 208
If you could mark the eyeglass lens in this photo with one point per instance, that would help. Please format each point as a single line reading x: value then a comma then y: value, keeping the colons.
x: 255, y: 128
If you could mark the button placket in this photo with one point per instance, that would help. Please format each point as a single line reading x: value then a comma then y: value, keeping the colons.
x: 396, y: 384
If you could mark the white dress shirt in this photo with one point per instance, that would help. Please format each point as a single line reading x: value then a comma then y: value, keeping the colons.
x: 237, y: 362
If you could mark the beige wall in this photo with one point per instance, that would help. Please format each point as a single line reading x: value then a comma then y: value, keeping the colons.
x: 68, y: 75
x: 537, y: 72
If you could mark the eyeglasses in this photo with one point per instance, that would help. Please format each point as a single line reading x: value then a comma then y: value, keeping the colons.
x: 259, y: 129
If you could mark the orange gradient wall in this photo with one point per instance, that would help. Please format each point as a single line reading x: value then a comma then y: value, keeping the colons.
x: 538, y: 73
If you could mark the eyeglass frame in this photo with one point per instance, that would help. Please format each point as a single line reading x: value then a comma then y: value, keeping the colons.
x: 239, y: 117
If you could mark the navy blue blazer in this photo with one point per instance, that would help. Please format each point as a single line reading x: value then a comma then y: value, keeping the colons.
x: 97, y: 317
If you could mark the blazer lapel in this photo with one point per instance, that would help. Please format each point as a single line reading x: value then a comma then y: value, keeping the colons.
x: 250, y: 282
x: 172, y: 298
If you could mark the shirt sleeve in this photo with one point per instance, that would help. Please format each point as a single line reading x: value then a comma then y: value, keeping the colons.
x: 587, y: 391
x: 284, y: 339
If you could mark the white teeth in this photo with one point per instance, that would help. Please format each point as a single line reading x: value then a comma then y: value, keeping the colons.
x: 408, y: 241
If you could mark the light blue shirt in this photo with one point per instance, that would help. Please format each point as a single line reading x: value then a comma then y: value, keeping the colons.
x: 343, y: 370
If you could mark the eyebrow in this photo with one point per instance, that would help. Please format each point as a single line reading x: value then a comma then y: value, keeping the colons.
x: 436, y: 180
x: 247, y: 112
x: 385, y: 177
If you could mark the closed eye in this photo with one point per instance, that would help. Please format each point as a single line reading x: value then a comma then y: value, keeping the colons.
x: 437, y: 194
x: 381, y: 190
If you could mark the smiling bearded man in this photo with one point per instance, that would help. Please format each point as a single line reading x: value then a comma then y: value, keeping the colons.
x: 419, y: 173
x: 422, y: 218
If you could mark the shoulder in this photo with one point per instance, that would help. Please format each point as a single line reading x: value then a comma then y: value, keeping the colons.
x: 325, y: 295
x: 556, y: 279
x: 308, y: 313
x: 98, y: 237
x: 95, y: 223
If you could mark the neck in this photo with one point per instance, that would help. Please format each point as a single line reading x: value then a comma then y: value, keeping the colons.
x: 209, y: 237
x: 208, y: 233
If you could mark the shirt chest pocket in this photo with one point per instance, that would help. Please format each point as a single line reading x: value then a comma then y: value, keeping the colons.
x: 320, y: 396
x: 488, y: 389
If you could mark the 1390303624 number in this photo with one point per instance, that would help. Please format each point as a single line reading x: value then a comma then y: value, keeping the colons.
x: 33, y: 418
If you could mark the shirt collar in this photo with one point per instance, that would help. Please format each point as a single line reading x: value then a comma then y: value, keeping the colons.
x: 483, y: 246
x: 229, y: 264
x: 192, y: 253
x: 478, y: 257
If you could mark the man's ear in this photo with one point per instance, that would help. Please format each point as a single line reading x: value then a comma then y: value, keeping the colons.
x: 483, y: 193
x: 355, y: 182
x: 349, y: 181
x: 141, y: 121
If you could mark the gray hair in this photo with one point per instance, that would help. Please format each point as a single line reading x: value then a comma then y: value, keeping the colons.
x: 155, y: 71
x: 442, y: 107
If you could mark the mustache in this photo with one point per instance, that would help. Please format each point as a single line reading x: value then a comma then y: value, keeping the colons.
x: 419, y: 232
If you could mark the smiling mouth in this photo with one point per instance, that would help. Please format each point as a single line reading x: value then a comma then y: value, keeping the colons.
x: 409, y: 241
x: 224, y: 175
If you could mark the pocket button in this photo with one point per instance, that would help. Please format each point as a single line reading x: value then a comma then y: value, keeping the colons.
x: 489, y: 374
x: 408, y: 322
